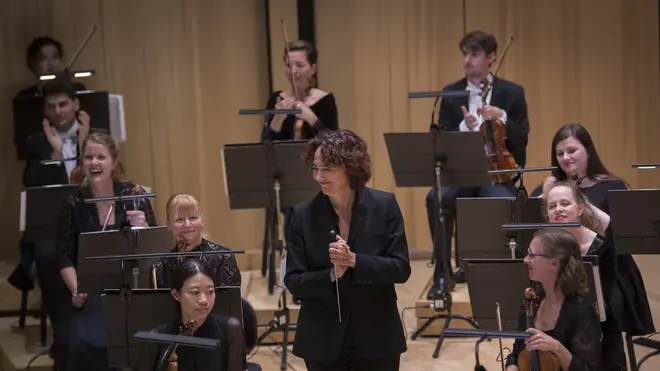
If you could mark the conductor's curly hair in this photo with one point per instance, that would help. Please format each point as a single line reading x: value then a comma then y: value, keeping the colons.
x: 342, y: 148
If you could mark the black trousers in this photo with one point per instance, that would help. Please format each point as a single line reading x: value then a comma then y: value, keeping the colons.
x: 349, y: 360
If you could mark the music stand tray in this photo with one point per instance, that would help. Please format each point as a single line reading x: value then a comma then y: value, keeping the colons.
x: 42, y: 210
x: 29, y: 113
x: 635, y: 220
x: 146, y: 309
x: 96, y: 276
x: 503, y: 281
x: 490, y: 213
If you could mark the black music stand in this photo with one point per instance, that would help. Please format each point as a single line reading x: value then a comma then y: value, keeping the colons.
x: 635, y: 225
x: 143, y: 310
x: 96, y: 276
x: 172, y: 342
x: 42, y: 210
x: 29, y: 113
x: 486, y: 335
x: 635, y: 231
x: 438, y: 159
x: 490, y: 213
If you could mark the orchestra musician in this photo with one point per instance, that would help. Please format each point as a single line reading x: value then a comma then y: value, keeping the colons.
x: 566, y: 324
x: 82, y: 342
x: 564, y: 203
x: 506, y: 102
x: 193, y: 289
x: 573, y: 152
x: 44, y: 57
x: 184, y: 219
x: 319, y: 109
x: 368, y: 256
x: 63, y: 130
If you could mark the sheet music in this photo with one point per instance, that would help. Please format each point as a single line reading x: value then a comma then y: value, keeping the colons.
x: 21, y: 222
x: 599, y: 294
x: 282, y: 273
x: 224, y: 171
x: 117, y: 117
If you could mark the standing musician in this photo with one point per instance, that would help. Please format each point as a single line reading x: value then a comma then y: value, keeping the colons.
x: 83, y: 342
x: 574, y: 153
x: 193, y: 290
x: 186, y: 223
x: 565, y: 325
x: 63, y: 131
x: 44, y: 57
x: 505, y: 102
x: 368, y: 255
x: 319, y: 109
x: 564, y: 203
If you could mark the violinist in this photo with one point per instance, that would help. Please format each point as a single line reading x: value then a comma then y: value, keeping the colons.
x: 566, y: 325
x: 565, y: 203
x: 44, y: 57
x: 574, y: 153
x: 505, y: 102
x: 193, y: 290
x: 80, y: 336
x: 319, y: 109
x: 185, y: 221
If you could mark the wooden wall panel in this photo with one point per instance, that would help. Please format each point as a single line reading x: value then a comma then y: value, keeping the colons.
x: 593, y: 62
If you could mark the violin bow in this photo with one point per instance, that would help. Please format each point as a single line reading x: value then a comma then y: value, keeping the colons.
x: 299, y: 122
x: 80, y: 48
x: 499, y: 326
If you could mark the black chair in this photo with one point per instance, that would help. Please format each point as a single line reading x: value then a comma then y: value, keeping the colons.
x: 250, y: 332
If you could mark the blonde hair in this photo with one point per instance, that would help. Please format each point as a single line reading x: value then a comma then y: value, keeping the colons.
x: 181, y: 203
x: 588, y: 217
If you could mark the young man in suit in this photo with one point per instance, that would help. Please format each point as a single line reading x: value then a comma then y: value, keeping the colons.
x: 64, y: 128
x: 506, y: 102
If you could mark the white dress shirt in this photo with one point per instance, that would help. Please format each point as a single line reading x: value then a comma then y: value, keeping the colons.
x: 69, y: 147
x: 475, y: 102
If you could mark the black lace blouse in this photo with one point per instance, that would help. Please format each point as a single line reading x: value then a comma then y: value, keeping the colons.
x: 224, y: 265
x: 577, y: 328
x: 78, y: 217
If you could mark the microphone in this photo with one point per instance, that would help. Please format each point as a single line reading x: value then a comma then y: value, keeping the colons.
x: 333, y: 237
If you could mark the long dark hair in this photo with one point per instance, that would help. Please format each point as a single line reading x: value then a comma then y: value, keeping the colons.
x: 182, y: 272
x: 595, y: 168
x: 562, y: 245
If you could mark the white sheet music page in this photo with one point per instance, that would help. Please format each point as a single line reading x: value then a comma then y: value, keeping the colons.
x: 599, y: 294
x: 21, y: 222
x: 117, y: 117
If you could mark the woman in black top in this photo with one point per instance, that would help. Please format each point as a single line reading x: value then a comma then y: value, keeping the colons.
x: 565, y: 323
x: 80, y: 337
x: 186, y: 223
x: 573, y: 152
x: 194, y: 291
x: 319, y: 110
x: 564, y: 203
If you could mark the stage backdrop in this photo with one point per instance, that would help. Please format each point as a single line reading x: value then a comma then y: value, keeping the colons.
x: 186, y: 67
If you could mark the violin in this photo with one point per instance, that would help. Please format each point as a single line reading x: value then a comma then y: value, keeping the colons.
x: 493, y: 133
x: 299, y: 122
x: 186, y: 329
x: 535, y: 360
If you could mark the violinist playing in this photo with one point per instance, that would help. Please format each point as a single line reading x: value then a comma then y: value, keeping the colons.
x: 565, y: 327
x: 505, y: 101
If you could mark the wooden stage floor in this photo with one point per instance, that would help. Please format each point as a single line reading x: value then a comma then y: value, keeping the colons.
x: 18, y: 346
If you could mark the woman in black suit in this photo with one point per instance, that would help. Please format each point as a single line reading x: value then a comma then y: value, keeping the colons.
x: 368, y: 255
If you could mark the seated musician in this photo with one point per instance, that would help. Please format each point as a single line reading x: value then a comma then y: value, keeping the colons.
x: 83, y: 333
x: 193, y: 289
x: 319, y: 110
x: 186, y: 223
x: 44, y: 57
x: 564, y: 203
x: 575, y: 155
x: 565, y: 324
x: 505, y: 102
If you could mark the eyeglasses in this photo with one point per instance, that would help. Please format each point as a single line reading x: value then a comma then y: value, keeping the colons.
x: 533, y: 255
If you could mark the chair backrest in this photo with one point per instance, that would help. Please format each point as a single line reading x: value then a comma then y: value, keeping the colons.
x: 249, y: 325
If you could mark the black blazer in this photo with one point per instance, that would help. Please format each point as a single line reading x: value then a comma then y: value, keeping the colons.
x: 506, y: 95
x: 370, y: 317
